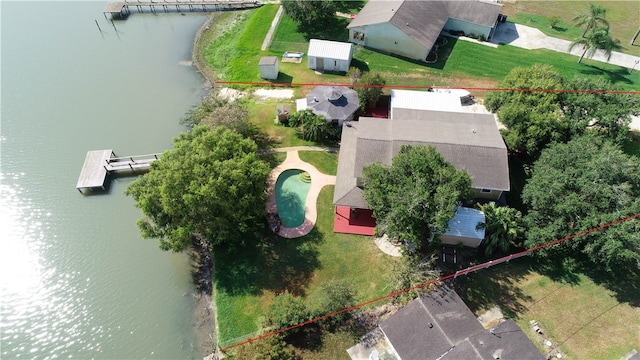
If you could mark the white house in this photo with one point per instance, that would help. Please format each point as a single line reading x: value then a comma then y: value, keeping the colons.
x: 324, y: 55
x: 411, y: 28
x: 268, y: 67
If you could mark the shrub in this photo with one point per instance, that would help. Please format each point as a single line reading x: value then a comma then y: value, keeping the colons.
x: 287, y: 310
x: 336, y: 295
x: 553, y: 20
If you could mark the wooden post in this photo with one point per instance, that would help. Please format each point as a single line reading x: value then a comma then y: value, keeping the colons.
x: 98, y: 25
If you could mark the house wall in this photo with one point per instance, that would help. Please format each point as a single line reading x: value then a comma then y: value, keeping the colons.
x: 269, y: 71
x: 388, y: 38
x: 468, y: 28
x: 493, y: 195
x: 455, y: 240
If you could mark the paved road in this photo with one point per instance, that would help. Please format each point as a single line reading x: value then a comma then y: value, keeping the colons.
x: 531, y: 38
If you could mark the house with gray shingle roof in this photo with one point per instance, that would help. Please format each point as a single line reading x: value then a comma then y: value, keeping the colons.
x: 439, y: 325
x: 469, y: 141
x: 410, y: 28
x: 336, y: 103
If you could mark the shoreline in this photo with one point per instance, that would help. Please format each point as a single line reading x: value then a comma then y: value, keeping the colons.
x: 197, y: 51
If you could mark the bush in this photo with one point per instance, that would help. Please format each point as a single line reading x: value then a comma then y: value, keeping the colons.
x: 335, y: 296
x: 481, y: 38
x: 553, y: 20
x: 354, y: 74
x: 287, y: 310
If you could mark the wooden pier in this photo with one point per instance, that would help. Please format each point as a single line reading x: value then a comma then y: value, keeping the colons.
x: 120, y: 10
x: 99, y: 164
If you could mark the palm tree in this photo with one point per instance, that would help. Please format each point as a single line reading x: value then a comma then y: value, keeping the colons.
x: 502, y: 227
x: 594, y: 18
x: 598, y: 39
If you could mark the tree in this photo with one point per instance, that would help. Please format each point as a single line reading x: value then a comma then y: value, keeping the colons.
x: 287, y: 310
x: 593, y: 20
x: 336, y: 295
x: 270, y: 348
x: 591, y: 108
x: 598, y: 39
x: 503, y: 226
x: 580, y: 185
x: 532, y: 118
x: 310, y: 14
x: 410, y: 272
x: 211, y: 185
x: 369, y: 88
x: 310, y: 126
x: 416, y: 196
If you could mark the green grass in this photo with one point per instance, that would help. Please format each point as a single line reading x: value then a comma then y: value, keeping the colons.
x: 262, y: 113
x: 324, y: 161
x: 479, y: 61
x: 245, y: 285
x: 622, y: 17
x: 563, y: 30
x: 585, y: 318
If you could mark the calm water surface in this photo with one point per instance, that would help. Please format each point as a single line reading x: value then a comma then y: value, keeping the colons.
x: 76, y: 278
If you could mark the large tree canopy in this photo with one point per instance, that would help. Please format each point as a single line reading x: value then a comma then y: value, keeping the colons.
x: 580, y: 185
x: 534, y: 119
x: 310, y: 14
x: 608, y: 113
x: 416, y: 196
x: 210, y: 185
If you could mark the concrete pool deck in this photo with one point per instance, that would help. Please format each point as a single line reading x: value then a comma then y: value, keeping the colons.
x: 318, y: 181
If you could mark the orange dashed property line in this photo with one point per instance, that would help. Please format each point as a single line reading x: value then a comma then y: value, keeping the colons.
x: 268, y: 83
x: 443, y: 278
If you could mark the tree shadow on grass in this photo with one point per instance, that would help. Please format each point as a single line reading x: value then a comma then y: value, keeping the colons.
x: 276, y: 264
x: 620, y: 75
x: 498, y: 285
x: 334, y: 29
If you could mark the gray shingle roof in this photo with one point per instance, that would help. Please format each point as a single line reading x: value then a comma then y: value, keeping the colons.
x: 333, y: 102
x: 423, y: 20
x: 268, y: 60
x: 469, y: 141
x: 451, y: 321
x: 439, y: 325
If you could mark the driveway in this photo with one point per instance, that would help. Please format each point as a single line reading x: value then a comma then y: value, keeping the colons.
x: 531, y: 38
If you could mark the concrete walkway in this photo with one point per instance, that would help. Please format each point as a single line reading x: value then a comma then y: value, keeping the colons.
x: 531, y: 38
x: 272, y: 29
x: 387, y: 247
x: 318, y: 181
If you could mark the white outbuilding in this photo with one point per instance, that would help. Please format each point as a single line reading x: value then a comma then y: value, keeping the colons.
x: 325, y: 55
x: 268, y: 67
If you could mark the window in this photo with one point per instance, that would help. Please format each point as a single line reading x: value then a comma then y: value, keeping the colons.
x: 358, y: 36
x: 485, y: 190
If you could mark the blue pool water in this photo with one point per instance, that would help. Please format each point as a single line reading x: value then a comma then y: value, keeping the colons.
x: 291, y: 195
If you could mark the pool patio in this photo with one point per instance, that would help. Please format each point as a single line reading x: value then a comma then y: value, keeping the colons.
x: 318, y: 181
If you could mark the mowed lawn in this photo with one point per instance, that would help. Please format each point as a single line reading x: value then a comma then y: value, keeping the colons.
x: 585, y: 319
x: 246, y: 285
x: 621, y: 15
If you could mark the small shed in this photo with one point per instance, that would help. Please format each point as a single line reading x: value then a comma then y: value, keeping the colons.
x: 268, y: 67
x: 324, y: 55
x: 462, y: 228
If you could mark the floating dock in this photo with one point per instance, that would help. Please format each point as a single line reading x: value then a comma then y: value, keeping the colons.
x: 99, y: 164
x: 120, y: 10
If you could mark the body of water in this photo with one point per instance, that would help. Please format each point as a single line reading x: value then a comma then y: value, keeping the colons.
x: 76, y: 278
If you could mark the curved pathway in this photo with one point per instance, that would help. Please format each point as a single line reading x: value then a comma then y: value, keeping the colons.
x: 318, y: 181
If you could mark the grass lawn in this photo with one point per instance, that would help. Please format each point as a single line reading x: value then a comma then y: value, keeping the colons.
x: 621, y: 15
x: 324, y: 161
x: 586, y: 319
x: 245, y: 285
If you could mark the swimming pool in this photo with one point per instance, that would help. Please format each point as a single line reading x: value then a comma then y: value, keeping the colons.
x: 291, y: 196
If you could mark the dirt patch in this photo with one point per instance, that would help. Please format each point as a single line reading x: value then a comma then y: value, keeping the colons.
x: 280, y: 94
